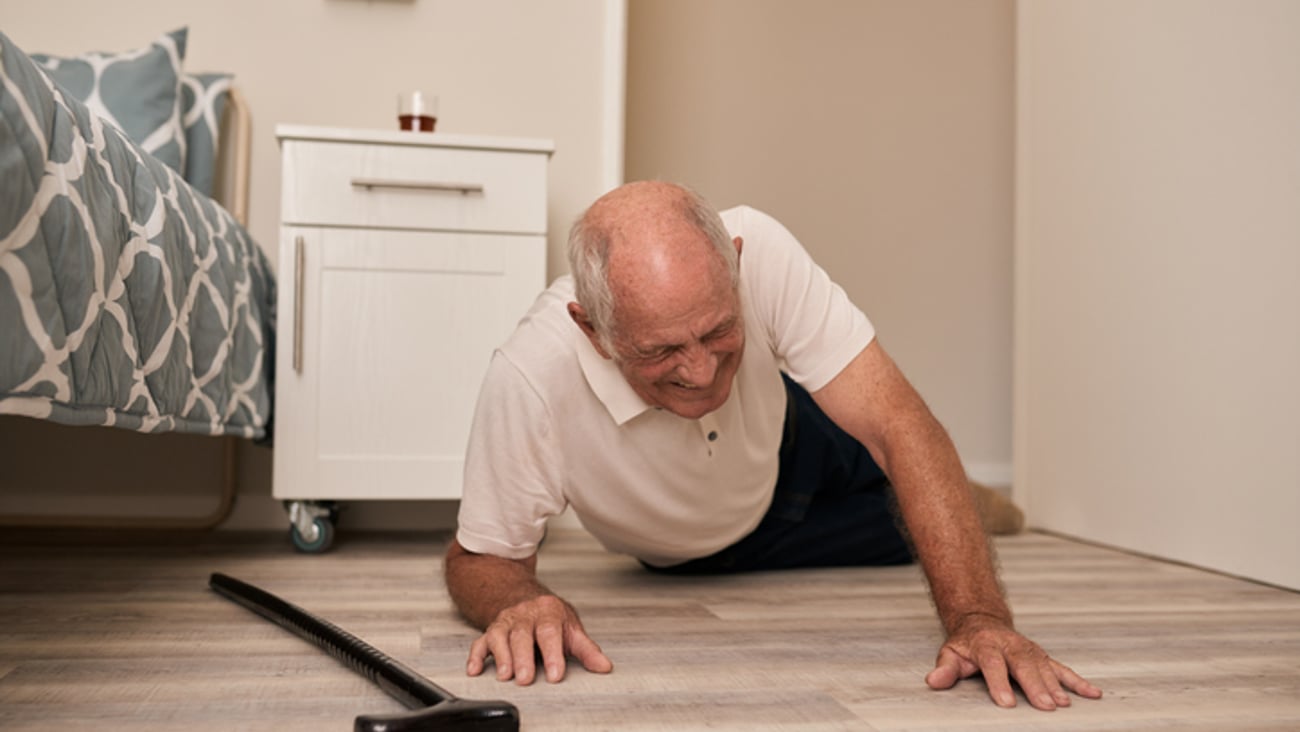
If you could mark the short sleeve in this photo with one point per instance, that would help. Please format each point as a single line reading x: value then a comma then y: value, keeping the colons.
x: 811, y: 325
x: 513, y: 468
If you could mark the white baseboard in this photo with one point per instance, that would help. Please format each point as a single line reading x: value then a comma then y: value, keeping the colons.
x: 258, y: 512
x: 108, y: 507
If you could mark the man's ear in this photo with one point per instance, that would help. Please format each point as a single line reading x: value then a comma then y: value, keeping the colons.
x: 740, y: 244
x: 579, y: 316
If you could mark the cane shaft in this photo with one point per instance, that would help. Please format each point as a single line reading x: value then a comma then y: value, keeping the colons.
x: 398, y: 681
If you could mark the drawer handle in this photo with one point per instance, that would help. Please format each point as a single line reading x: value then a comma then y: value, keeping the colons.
x: 417, y: 185
x: 299, y: 278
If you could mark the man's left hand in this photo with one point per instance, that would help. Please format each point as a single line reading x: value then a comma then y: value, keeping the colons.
x: 990, y: 646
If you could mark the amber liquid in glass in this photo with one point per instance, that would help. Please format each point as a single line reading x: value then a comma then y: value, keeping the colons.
x: 421, y: 122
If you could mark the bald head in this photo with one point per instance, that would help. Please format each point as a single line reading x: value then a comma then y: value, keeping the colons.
x: 640, y: 243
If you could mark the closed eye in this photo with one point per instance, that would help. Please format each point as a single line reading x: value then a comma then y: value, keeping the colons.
x: 658, y: 354
x: 721, y: 331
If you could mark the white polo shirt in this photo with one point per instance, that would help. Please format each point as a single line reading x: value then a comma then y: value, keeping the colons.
x: 557, y: 426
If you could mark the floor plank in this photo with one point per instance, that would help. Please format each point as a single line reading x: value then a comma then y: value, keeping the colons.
x: 119, y: 630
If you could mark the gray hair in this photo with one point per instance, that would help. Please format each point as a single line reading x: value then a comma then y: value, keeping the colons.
x: 589, y: 259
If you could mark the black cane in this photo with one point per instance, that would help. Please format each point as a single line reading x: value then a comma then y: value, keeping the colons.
x: 435, y: 707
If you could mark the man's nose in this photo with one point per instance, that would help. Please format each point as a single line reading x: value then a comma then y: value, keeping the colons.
x: 699, y: 366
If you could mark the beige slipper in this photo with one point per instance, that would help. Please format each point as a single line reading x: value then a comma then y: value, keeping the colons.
x: 998, y: 514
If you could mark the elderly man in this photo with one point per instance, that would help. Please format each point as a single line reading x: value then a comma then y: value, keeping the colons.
x: 707, y: 400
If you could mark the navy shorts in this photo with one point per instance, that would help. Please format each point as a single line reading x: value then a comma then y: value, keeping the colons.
x: 833, y: 506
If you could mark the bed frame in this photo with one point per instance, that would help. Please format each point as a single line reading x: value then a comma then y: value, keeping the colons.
x: 235, y: 158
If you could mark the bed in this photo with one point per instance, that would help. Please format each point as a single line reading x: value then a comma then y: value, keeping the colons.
x: 129, y: 297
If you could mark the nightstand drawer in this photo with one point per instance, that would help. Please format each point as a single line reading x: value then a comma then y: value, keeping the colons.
x: 413, y: 187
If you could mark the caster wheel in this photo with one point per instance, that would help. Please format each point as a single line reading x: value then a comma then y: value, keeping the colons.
x: 318, y: 537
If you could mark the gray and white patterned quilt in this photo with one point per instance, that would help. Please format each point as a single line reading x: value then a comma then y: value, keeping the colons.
x: 126, y: 297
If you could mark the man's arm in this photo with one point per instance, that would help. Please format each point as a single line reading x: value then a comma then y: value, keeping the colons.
x: 516, y: 613
x: 872, y: 400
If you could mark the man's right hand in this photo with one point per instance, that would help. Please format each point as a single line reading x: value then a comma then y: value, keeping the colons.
x: 545, y: 623
x: 517, y: 615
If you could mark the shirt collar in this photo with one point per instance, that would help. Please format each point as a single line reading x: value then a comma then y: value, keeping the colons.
x: 607, y: 382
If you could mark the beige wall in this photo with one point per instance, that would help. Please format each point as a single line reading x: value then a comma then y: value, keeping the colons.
x: 880, y: 132
x: 500, y: 67
x: 1158, y: 273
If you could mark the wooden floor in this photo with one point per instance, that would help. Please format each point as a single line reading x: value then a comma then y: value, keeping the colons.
x: 121, y: 632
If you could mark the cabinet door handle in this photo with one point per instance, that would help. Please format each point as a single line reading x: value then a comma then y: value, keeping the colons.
x: 417, y: 185
x: 299, y: 276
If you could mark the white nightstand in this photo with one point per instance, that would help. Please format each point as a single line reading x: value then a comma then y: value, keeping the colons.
x: 405, y: 259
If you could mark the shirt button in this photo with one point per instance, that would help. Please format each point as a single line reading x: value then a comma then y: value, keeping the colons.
x: 713, y: 435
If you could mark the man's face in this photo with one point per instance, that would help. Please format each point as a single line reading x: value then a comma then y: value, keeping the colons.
x: 681, y: 352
